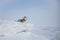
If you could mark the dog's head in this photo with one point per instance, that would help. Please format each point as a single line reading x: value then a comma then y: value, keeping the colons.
x: 25, y: 18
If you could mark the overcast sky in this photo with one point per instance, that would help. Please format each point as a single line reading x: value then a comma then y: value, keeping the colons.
x: 39, y: 12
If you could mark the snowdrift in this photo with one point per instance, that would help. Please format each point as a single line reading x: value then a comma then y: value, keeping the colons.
x: 11, y: 30
x: 12, y: 27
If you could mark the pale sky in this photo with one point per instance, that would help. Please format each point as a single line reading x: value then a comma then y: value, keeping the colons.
x: 39, y: 12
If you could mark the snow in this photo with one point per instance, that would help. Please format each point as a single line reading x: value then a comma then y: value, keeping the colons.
x: 12, y: 27
x: 51, y: 32
x: 11, y: 30
x: 24, y: 36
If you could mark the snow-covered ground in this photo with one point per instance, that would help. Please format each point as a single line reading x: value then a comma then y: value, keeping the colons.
x: 51, y: 32
x: 24, y: 36
x: 11, y: 30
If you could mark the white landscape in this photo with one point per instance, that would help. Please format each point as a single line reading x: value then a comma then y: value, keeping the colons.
x: 43, y: 21
x: 11, y: 30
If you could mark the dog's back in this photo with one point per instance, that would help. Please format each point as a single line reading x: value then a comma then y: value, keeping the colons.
x: 22, y: 20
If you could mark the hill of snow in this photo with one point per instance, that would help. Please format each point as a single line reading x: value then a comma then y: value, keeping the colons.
x: 11, y: 30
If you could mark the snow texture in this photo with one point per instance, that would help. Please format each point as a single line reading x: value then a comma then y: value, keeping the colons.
x: 12, y: 30
x: 12, y: 27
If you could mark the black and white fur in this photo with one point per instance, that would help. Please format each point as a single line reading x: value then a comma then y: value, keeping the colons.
x: 22, y: 20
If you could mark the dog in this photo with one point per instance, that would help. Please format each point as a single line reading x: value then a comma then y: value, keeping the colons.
x: 22, y: 20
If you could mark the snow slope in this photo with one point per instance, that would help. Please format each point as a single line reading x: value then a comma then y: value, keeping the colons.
x: 11, y: 30
x: 24, y: 36
x: 12, y: 27
x: 51, y: 32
